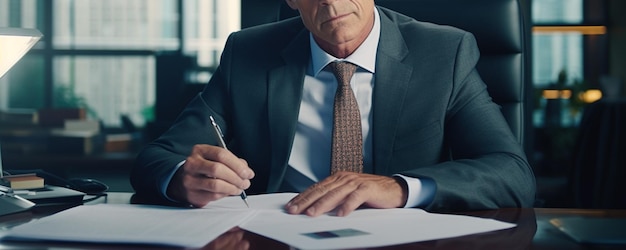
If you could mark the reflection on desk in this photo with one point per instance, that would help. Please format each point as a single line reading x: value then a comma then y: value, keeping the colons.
x: 533, y: 231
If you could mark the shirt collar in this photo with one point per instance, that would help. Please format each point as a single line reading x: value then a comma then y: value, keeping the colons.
x: 364, y: 56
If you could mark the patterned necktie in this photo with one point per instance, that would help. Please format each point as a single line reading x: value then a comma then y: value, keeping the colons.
x: 347, y: 147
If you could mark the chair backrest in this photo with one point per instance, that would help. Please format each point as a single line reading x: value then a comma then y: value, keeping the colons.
x: 501, y: 34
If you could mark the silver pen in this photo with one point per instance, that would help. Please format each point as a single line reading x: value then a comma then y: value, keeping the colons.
x: 220, y: 139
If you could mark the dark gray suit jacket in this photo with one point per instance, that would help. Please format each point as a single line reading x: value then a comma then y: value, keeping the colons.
x: 432, y: 115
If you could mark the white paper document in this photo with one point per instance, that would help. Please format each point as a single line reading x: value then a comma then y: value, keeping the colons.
x: 135, y: 224
x: 362, y: 228
x: 144, y: 224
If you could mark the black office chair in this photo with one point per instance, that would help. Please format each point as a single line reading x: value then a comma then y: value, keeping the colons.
x: 599, y: 163
x: 501, y: 33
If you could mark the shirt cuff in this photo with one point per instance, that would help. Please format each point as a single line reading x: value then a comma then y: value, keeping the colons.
x: 166, y: 181
x: 421, y: 191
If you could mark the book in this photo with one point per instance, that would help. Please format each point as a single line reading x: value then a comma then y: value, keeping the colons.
x: 82, y: 125
x: 74, y: 142
x: 24, y: 181
x: 19, y: 116
x: 23, y: 138
x: 118, y: 142
x: 55, y: 117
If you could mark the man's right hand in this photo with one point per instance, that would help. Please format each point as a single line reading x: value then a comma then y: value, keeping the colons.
x: 209, y: 173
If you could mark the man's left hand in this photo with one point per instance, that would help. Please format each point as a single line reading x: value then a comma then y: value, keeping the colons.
x: 346, y: 191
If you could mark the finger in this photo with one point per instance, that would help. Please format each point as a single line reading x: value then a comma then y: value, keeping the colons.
x: 196, y: 165
x: 213, y: 185
x: 304, y: 200
x: 202, y: 153
x: 353, y: 201
x: 350, y: 191
x: 329, y: 201
x: 376, y: 192
x: 216, y: 170
x: 199, y: 190
x: 224, y: 156
x: 247, y: 173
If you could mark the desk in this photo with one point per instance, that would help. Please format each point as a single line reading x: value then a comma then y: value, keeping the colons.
x: 533, y: 232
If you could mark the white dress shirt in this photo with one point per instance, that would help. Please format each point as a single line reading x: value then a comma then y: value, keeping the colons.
x: 309, y: 161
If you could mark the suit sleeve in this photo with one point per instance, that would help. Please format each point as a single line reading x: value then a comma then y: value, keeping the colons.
x: 157, y: 161
x: 486, y: 166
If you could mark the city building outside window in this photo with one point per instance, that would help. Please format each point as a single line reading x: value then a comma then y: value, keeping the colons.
x: 102, y: 53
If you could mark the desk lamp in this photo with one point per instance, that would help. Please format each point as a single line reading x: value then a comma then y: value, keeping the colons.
x: 14, y: 43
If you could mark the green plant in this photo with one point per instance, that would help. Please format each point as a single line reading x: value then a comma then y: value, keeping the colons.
x: 65, y: 97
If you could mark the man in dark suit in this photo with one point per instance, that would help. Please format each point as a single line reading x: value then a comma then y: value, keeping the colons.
x: 431, y: 135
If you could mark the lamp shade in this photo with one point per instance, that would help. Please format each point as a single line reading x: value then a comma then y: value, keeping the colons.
x: 14, y: 43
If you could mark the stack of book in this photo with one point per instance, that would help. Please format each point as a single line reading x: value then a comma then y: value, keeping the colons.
x: 57, y: 131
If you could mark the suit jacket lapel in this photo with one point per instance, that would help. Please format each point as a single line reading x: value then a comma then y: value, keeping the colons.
x: 390, y: 87
x: 285, y: 93
x: 284, y: 96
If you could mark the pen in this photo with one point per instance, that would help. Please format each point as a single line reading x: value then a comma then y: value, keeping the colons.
x: 220, y: 139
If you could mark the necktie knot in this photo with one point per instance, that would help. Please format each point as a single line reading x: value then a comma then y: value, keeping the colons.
x: 343, y: 71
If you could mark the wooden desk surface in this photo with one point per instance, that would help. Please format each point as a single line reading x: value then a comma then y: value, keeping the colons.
x: 533, y: 231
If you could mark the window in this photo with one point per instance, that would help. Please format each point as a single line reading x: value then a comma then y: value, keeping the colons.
x: 557, y: 11
x: 569, y: 57
x: 554, y: 52
x: 205, y: 35
x: 560, y: 41
x: 115, y: 24
x: 100, y: 55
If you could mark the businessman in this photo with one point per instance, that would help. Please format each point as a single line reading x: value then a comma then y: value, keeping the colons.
x: 428, y: 134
